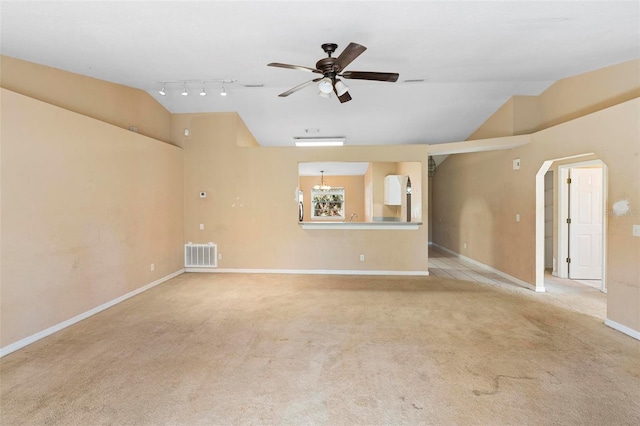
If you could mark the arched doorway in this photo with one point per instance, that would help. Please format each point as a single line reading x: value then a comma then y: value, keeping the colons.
x: 562, y: 228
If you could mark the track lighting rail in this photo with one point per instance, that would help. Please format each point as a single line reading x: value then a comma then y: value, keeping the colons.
x: 200, y: 83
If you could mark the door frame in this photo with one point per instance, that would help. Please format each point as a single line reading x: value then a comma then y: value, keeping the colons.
x: 539, y: 226
x: 563, y: 211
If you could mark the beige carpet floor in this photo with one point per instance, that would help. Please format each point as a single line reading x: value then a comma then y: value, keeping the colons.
x: 224, y: 349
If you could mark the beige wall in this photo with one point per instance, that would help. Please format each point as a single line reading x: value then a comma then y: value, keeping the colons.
x: 498, y: 125
x: 586, y: 93
x: 251, y: 211
x: 476, y: 196
x: 86, y: 208
x: 353, y: 189
x: 112, y: 103
x: 565, y: 100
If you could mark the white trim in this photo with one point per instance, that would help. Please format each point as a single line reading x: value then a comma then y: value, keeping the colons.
x: 308, y: 271
x: 622, y: 328
x: 64, y: 324
x: 563, y: 198
x: 539, y: 226
x: 489, y: 268
x: 479, y: 145
x: 397, y: 226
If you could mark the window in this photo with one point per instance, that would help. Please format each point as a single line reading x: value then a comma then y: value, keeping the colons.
x: 327, y: 204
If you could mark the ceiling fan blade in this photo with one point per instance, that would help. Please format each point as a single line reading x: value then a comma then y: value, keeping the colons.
x: 368, y: 75
x: 293, y: 67
x: 347, y: 56
x: 299, y: 87
x: 344, y: 98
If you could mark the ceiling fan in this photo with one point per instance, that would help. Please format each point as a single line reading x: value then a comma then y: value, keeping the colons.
x: 332, y: 68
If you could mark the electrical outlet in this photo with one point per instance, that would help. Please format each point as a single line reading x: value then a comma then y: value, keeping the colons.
x: 152, y: 267
x: 636, y: 230
x: 464, y: 245
x: 219, y: 256
x: 362, y: 258
x: 202, y: 226
x: 517, y: 217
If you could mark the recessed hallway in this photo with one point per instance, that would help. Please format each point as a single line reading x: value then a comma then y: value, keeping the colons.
x: 573, y: 295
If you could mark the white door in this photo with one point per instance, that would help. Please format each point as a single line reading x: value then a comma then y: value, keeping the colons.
x: 585, y: 230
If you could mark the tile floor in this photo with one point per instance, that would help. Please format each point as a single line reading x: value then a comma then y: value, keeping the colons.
x: 445, y: 265
x: 579, y: 296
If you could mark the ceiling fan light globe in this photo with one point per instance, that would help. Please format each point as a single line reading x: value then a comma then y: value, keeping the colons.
x: 341, y: 88
x: 325, y: 85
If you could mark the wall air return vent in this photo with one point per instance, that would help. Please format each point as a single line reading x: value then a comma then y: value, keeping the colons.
x: 199, y: 257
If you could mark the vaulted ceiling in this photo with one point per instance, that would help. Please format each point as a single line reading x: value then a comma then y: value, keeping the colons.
x: 458, y: 61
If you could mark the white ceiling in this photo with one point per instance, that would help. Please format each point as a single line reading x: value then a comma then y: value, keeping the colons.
x: 472, y: 55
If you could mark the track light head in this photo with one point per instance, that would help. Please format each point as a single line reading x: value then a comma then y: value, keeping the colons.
x: 162, y: 92
x: 223, y: 92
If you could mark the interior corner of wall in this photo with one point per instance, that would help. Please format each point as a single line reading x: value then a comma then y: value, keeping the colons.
x: 244, y: 137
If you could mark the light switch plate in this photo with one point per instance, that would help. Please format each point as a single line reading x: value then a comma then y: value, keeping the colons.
x: 516, y: 164
x: 636, y: 230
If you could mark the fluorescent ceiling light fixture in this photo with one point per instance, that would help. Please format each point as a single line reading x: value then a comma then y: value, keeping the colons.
x: 318, y: 141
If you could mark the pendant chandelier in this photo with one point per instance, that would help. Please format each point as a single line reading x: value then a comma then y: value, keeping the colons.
x: 322, y: 186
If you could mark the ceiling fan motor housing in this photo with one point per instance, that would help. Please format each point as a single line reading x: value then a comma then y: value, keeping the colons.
x: 326, y: 66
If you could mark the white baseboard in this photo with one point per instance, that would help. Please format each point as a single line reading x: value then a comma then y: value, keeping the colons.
x: 308, y: 271
x: 623, y: 328
x: 489, y: 268
x: 49, y: 331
